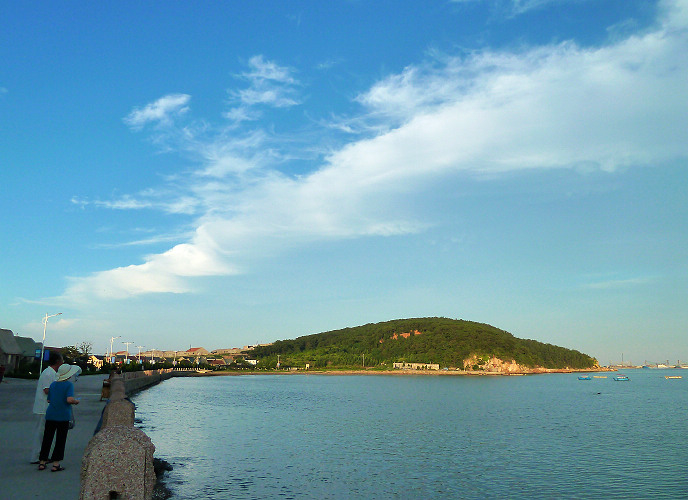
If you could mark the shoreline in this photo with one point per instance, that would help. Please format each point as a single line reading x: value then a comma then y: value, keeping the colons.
x: 372, y: 371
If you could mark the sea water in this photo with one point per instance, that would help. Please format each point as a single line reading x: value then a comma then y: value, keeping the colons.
x: 388, y: 436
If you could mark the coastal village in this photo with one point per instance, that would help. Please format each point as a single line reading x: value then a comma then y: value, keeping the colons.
x: 16, y: 350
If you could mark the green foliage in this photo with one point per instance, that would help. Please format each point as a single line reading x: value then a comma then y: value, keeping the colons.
x: 70, y: 352
x: 441, y: 340
x: 85, y: 348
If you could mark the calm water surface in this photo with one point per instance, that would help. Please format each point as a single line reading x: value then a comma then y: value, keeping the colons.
x: 339, y: 437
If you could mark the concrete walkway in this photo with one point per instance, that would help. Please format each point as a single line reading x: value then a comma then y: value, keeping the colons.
x: 20, y: 480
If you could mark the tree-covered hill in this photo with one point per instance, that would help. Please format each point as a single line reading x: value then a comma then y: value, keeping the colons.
x: 419, y: 340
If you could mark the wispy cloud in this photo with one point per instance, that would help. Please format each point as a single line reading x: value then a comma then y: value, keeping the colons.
x: 160, y: 112
x: 164, y: 200
x: 153, y: 240
x: 270, y: 85
x: 556, y: 106
x: 616, y: 284
x: 517, y: 7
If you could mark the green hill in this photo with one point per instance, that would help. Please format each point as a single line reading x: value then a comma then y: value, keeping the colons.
x: 419, y: 340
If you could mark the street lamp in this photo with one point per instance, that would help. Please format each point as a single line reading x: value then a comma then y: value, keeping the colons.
x: 139, y: 348
x: 45, y: 326
x: 112, y: 339
x: 126, y: 358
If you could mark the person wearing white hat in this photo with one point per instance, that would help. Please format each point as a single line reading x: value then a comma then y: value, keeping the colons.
x: 40, y: 403
x: 57, y: 416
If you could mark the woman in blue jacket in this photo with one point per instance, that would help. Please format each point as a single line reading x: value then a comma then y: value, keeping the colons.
x: 57, y: 416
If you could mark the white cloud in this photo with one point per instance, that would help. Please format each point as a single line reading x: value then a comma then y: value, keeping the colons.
x: 516, y: 7
x: 162, y: 273
x: 267, y: 70
x: 269, y: 85
x: 268, y: 96
x: 150, y: 199
x: 160, y: 111
x: 616, y: 284
x: 556, y: 106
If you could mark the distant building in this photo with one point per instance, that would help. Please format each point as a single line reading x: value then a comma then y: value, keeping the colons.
x: 417, y: 366
x: 233, y: 350
x: 10, y: 352
x: 28, y: 347
x: 96, y: 361
x: 15, y: 350
x: 193, y: 352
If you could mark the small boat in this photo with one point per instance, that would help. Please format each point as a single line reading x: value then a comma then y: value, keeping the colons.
x: 599, y: 376
x: 622, y: 378
x: 584, y: 377
x: 672, y: 376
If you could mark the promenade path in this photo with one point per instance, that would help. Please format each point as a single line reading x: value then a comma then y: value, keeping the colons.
x: 19, y: 479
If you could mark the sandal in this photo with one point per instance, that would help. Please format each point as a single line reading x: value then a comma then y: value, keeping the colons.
x: 56, y: 468
x: 41, y: 466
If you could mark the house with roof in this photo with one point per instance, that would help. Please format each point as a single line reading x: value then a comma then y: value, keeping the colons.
x: 28, y: 347
x: 196, y: 352
x: 96, y: 361
x: 10, y: 352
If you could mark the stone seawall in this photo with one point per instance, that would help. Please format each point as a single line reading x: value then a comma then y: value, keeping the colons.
x: 137, y: 381
x: 118, y: 461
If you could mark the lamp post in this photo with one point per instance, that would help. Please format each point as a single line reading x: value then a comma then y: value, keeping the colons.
x: 139, y: 348
x: 112, y: 339
x: 126, y: 358
x: 45, y: 326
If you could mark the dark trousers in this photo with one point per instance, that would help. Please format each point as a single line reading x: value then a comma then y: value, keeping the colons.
x: 52, y: 426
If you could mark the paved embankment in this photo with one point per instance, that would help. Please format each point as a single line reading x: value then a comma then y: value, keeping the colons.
x: 20, y: 480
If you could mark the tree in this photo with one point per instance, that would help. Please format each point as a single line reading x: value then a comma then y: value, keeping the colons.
x: 85, y: 347
x: 70, y: 352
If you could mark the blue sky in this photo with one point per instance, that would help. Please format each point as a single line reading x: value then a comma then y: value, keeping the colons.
x: 230, y: 173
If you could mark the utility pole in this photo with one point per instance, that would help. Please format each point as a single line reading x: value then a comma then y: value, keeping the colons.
x: 112, y: 339
x: 126, y: 358
x: 139, y: 347
x: 45, y: 326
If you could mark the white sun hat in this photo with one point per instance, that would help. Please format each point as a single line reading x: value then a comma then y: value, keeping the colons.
x: 65, y: 372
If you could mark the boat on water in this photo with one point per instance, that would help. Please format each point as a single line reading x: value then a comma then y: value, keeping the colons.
x: 622, y: 378
x: 599, y: 376
x: 672, y: 376
x: 584, y: 377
